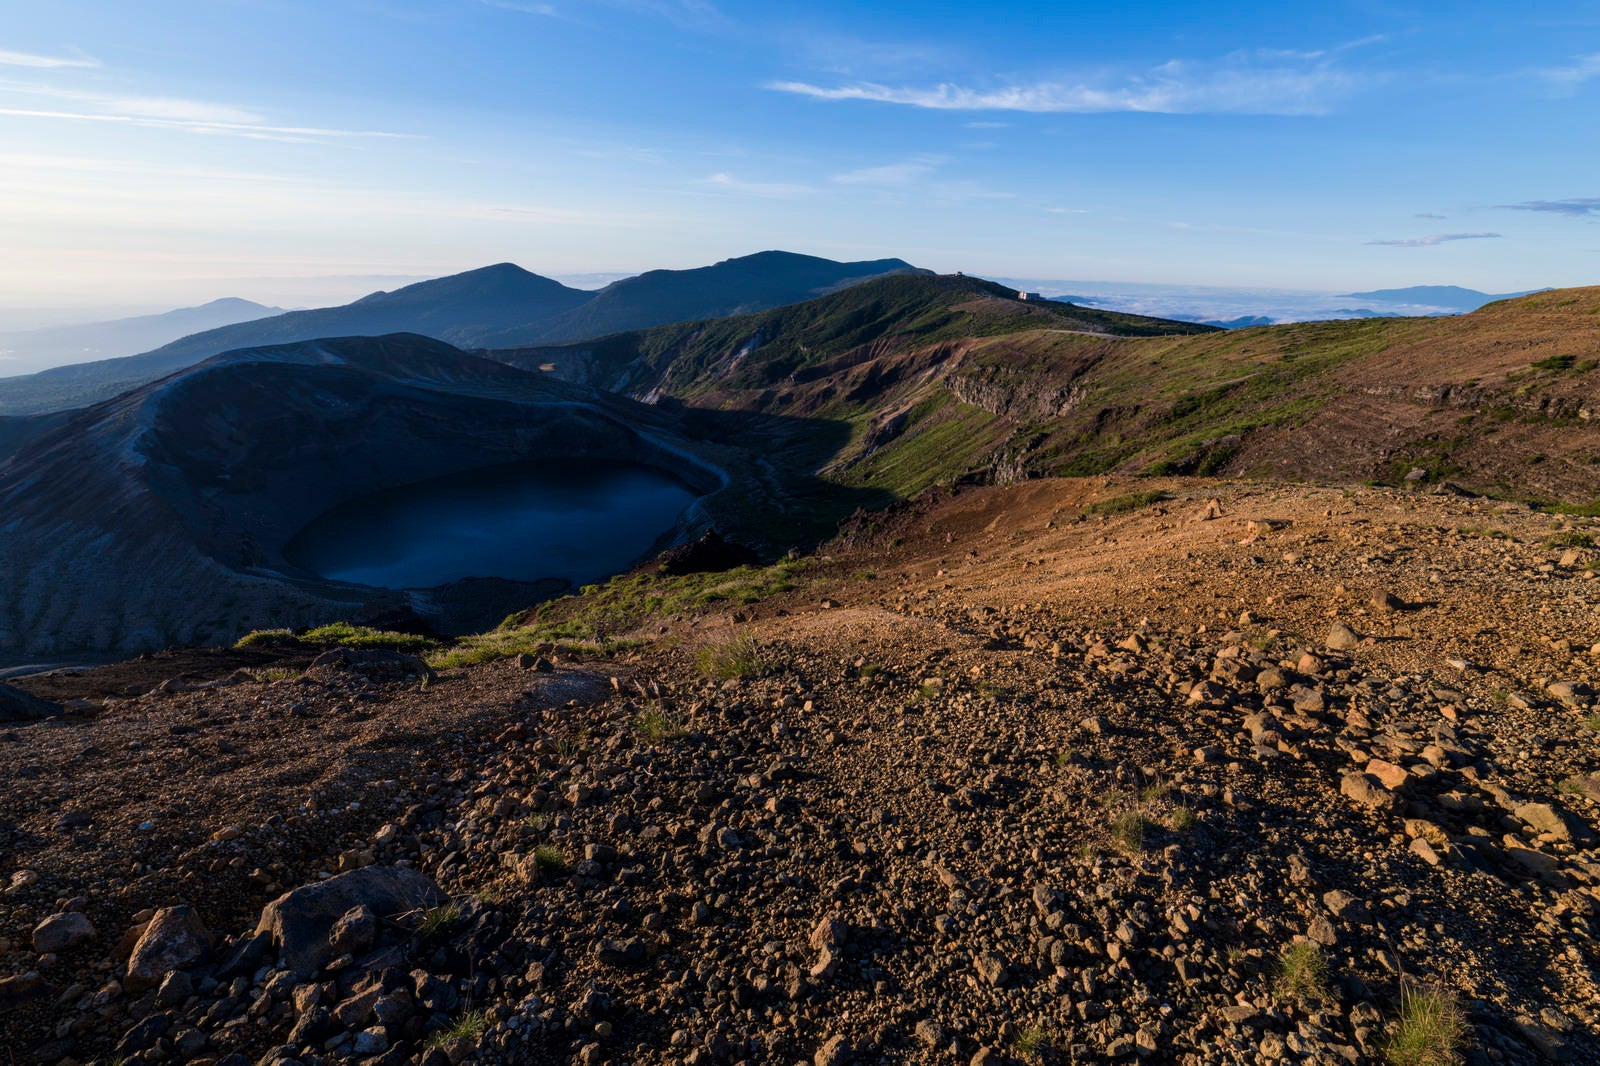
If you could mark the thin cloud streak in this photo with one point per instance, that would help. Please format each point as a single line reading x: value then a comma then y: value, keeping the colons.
x: 1579, y: 207
x: 167, y: 112
x: 892, y: 174
x: 1235, y: 85
x: 1434, y: 239
x: 38, y: 62
x: 526, y: 9
x: 198, y: 125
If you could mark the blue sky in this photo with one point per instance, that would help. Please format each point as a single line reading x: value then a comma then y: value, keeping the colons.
x: 156, y: 152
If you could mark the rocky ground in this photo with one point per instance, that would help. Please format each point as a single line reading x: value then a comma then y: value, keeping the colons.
x: 1038, y: 773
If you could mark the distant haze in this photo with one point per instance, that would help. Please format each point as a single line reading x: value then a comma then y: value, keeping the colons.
x: 1219, y: 305
x: 28, y: 351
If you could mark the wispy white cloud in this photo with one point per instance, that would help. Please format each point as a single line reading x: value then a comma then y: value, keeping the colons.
x: 166, y: 112
x: 525, y: 8
x: 1434, y: 239
x: 257, y: 132
x: 1580, y: 207
x: 1566, y: 80
x: 698, y: 15
x: 1319, y: 53
x: 1242, y: 83
x: 28, y: 59
x: 173, y: 109
x: 890, y: 174
x: 1429, y: 215
x: 772, y: 190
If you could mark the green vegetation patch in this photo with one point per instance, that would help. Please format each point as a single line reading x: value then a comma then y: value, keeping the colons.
x: 1555, y: 362
x: 1132, y: 501
x: 596, y: 620
x: 1575, y: 510
x: 336, y: 634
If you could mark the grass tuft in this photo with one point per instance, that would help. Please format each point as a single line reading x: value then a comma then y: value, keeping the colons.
x: 439, y: 922
x: 1184, y: 820
x: 656, y: 725
x: 267, y: 636
x: 470, y: 1026
x: 1031, y: 1043
x: 735, y: 658
x: 1302, y: 971
x: 1128, y: 829
x: 1430, y: 1030
x: 551, y: 860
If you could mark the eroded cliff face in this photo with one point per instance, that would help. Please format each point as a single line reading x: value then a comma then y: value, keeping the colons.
x: 160, y: 518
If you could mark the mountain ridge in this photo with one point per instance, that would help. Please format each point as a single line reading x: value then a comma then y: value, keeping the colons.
x: 741, y: 286
x: 463, y: 310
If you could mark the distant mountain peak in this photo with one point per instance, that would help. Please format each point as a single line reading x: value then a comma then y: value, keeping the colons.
x: 1453, y: 297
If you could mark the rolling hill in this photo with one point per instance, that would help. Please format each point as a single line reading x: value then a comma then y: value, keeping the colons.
x: 501, y: 305
x: 808, y: 341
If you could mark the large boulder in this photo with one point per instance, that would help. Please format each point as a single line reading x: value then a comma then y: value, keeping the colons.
x: 19, y: 706
x: 62, y: 932
x: 1367, y: 791
x: 711, y: 553
x: 175, y: 939
x: 299, y: 922
x: 377, y: 665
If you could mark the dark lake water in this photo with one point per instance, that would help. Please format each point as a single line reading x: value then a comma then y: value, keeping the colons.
x: 581, y: 520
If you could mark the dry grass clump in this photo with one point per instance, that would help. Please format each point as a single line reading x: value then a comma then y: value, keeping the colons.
x: 1430, y: 1029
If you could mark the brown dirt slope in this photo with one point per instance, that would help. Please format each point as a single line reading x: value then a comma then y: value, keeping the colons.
x: 1050, y: 772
